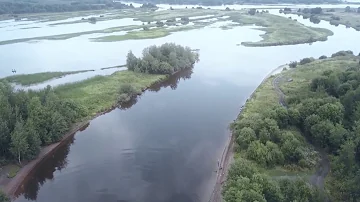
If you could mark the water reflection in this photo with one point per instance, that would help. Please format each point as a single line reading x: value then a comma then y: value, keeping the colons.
x: 172, y: 81
x: 45, y: 171
x: 59, y: 160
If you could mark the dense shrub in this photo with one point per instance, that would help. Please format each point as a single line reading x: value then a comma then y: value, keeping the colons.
x: 245, y: 183
x: 342, y: 53
x: 306, y: 61
x: 3, y: 197
x: 165, y: 59
x: 293, y: 64
x: 322, y: 57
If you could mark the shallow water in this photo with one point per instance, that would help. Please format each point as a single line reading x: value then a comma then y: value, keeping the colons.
x: 164, y: 146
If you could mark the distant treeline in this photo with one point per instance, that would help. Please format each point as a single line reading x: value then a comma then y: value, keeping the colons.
x: 165, y: 59
x: 231, y: 2
x: 20, y: 7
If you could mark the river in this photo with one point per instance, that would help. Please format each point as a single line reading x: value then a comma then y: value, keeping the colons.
x: 164, y: 146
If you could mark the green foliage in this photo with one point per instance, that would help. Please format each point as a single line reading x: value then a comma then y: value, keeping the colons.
x: 165, y: 59
x: 293, y: 64
x: 322, y: 57
x: 245, y: 184
x: 3, y: 197
x: 342, y: 53
x: 14, y: 169
x: 324, y: 108
x: 245, y: 136
x: 32, y: 119
x: 306, y: 60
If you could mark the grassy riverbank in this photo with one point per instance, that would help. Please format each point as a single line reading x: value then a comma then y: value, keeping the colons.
x: 101, y: 92
x: 29, y: 79
x: 272, y: 135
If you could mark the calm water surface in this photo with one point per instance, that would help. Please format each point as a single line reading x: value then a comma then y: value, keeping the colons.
x: 162, y: 147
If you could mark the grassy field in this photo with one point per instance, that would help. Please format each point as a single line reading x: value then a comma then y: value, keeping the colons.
x: 281, y: 31
x: 29, y: 79
x: 135, y: 35
x: 339, y: 16
x: 101, y: 92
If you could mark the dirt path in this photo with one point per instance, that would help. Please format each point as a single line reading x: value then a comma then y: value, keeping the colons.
x: 318, y: 178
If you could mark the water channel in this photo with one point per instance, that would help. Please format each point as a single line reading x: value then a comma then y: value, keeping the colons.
x: 162, y: 147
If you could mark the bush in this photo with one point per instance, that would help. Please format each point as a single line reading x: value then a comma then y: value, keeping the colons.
x: 322, y: 57
x: 342, y: 53
x: 306, y: 60
x: 335, y: 17
x: 3, y: 197
x: 293, y: 64
x: 127, y: 89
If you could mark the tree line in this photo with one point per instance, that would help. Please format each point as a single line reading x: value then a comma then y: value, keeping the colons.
x: 231, y: 2
x: 29, y: 120
x: 327, y: 114
x: 165, y: 59
x: 245, y: 183
x: 20, y: 7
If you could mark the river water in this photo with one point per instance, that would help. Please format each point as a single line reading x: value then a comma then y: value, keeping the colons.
x: 163, y: 146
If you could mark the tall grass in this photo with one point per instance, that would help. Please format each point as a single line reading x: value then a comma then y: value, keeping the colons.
x: 28, y: 79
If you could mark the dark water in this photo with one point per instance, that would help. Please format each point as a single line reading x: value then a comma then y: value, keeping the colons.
x: 163, y: 146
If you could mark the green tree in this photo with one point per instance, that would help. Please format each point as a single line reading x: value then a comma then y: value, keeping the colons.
x: 33, y: 139
x: 333, y: 112
x: 245, y: 136
x: 58, y: 126
x: 320, y: 132
x: 347, y: 9
x: 131, y: 61
x: 257, y: 152
x: 274, y: 156
x: 19, y: 142
x: 291, y: 150
x: 5, y: 138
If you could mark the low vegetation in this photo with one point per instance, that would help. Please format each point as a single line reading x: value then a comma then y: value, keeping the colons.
x: 100, y: 93
x: 134, y: 35
x: 350, y: 17
x: 3, y: 197
x: 280, y: 30
x: 29, y: 79
x: 165, y: 59
x: 319, y: 106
